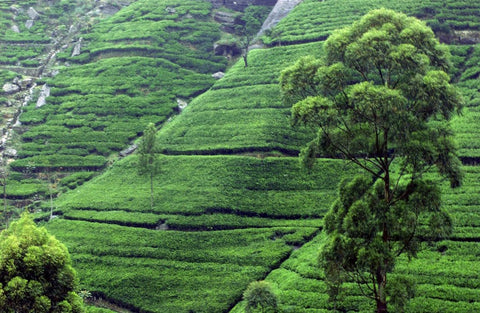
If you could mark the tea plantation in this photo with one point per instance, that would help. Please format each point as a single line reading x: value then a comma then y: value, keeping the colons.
x: 232, y: 204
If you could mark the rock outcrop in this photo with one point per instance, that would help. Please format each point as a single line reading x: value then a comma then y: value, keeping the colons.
x: 227, y: 49
x: 240, y: 5
x: 227, y: 20
x: 10, y: 88
x: 279, y: 11
x: 77, y: 48
x: 42, y: 99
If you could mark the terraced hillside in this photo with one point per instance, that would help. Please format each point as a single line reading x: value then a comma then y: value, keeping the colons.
x: 33, y: 33
x: 231, y: 203
x: 113, y: 78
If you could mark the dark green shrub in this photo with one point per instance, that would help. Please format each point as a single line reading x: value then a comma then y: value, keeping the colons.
x: 260, y: 298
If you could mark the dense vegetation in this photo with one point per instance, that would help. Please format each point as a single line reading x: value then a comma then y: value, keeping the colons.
x: 229, y: 207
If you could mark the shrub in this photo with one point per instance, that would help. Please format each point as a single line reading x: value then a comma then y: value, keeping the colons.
x: 260, y: 298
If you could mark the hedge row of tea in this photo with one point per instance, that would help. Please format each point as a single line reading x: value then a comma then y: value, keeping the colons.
x: 179, y: 32
x: 467, y: 130
x: 157, y: 271
x: 208, y: 192
x: 107, y: 95
x: 313, y: 21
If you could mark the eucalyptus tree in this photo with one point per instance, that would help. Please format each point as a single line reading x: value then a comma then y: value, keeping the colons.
x: 148, y: 162
x: 381, y: 98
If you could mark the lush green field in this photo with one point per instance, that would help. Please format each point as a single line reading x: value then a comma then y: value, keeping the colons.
x: 243, y: 111
x: 98, y: 107
x: 229, y: 207
x: 233, y: 192
x: 26, y: 45
x: 174, y: 271
x: 231, y: 220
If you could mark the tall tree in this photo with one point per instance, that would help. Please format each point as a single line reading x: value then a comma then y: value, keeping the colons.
x: 3, y: 180
x: 36, y: 273
x: 381, y: 99
x: 249, y: 25
x: 148, y: 162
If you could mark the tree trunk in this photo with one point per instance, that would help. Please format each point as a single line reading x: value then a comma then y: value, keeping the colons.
x: 381, y: 307
x: 151, y: 191
x: 5, y: 200
x: 245, y: 59
x: 51, y: 202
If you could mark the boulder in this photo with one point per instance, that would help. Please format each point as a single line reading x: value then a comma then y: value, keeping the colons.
x: 32, y: 13
x: 10, y: 152
x: 240, y: 5
x: 42, y: 99
x: 29, y: 24
x: 218, y: 75
x: 182, y: 104
x: 9, y: 88
x: 467, y: 37
x: 15, y: 29
x: 77, y: 48
x: 128, y: 150
x: 26, y: 83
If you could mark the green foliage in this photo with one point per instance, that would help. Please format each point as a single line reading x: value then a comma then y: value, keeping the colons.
x: 36, y: 274
x: 260, y: 298
x: 148, y: 162
x: 248, y: 26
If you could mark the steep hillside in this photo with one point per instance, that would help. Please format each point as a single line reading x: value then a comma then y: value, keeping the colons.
x: 231, y: 203
x: 113, y: 77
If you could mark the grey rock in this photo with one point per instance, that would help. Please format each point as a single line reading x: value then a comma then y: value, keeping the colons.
x: 42, y: 99
x: 10, y: 152
x: 218, y: 75
x: 15, y: 29
x: 128, y: 151
x: 170, y: 10
x: 182, y: 104
x: 29, y: 24
x: 9, y: 88
x: 32, y: 13
x: 26, y: 83
x: 77, y: 48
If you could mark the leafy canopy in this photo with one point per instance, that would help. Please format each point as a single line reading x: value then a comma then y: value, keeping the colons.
x: 36, y: 273
x: 381, y: 98
x: 148, y: 162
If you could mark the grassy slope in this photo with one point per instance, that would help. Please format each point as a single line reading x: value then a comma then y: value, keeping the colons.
x: 255, y: 207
